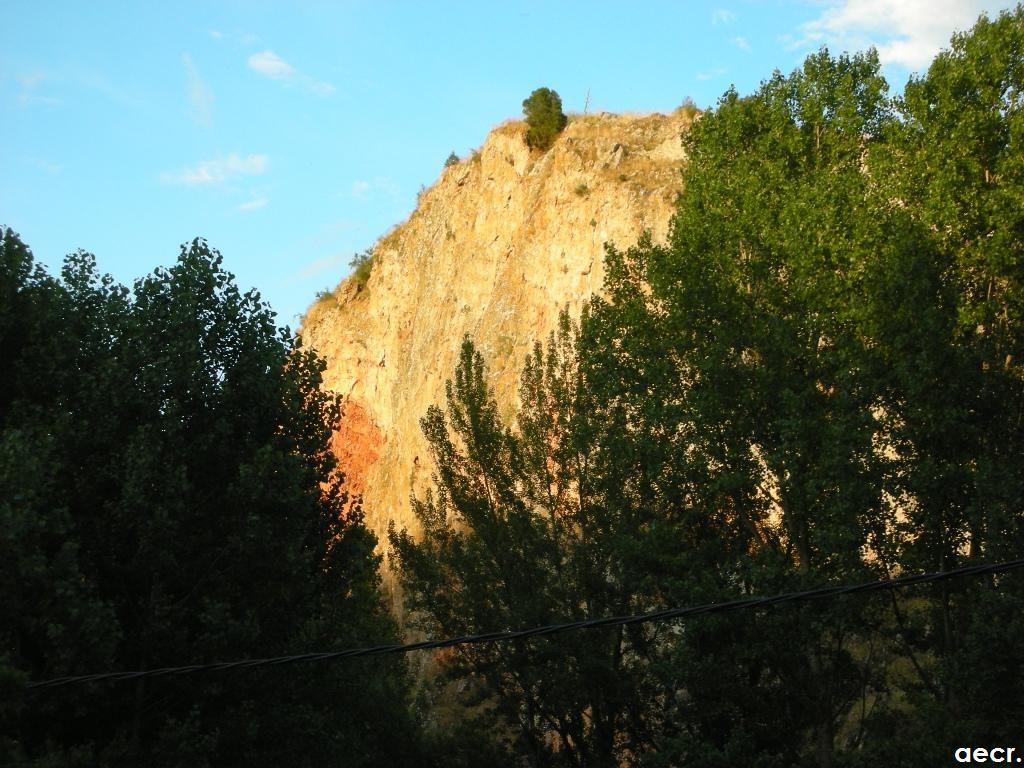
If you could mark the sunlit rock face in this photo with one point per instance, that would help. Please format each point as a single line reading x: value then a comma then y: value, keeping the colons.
x: 495, y: 249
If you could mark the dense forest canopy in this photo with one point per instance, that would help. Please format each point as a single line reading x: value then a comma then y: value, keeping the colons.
x: 817, y: 380
x: 167, y: 496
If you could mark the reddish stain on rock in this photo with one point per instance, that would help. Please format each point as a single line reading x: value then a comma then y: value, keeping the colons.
x: 356, y: 444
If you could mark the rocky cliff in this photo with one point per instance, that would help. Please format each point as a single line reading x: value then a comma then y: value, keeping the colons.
x: 495, y: 248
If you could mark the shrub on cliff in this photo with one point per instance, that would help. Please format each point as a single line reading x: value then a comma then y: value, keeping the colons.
x: 689, y: 108
x: 362, y: 265
x: 544, y: 116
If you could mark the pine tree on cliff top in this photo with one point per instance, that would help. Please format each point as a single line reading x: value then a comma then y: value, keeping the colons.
x: 544, y: 116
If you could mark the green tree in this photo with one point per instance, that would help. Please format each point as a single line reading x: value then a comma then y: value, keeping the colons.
x: 756, y: 288
x: 947, y: 318
x: 714, y: 440
x: 451, y: 160
x: 817, y: 379
x: 362, y: 266
x: 533, y: 526
x: 839, y: 298
x: 544, y: 118
x: 168, y: 497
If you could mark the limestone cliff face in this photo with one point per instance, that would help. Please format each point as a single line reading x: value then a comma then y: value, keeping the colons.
x: 495, y: 248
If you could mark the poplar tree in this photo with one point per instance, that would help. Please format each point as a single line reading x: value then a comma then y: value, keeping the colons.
x: 168, y: 498
x: 816, y: 380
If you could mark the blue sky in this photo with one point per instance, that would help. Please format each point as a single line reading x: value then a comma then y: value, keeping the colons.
x: 292, y: 135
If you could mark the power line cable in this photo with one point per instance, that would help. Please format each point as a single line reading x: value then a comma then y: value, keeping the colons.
x: 551, y: 629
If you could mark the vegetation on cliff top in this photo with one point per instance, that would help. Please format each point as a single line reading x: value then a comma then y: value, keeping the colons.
x: 544, y: 118
x: 362, y: 266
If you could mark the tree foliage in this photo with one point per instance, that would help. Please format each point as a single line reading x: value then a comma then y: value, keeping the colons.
x: 362, y: 266
x: 815, y: 380
x: 949, y: 327
x: 530, y: 528
x: 167, y: 497
x: 544, y: 118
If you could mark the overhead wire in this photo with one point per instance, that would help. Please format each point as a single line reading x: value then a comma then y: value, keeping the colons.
x: 827, y: 592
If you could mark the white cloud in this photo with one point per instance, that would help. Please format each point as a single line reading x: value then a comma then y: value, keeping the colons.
x: 710, y: 74
x: 271, y: 65
x: 722, y: 16
x: 254, y: 205
x: 100, y: 83
x: 29, y: 95
x: 741, y: 43
x: 31, y: 80
x: 47, y: 167
x: 319, y: 87
x: 28, y: 99
x: 200, y: 97
x: 73, y: 79
x: 363, y: 189
x: 905, y: 32
x: 319, y: 265
x: 217, y: 171
x: 236, y: 39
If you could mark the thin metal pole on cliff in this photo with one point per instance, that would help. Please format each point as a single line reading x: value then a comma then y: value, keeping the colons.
x: 587, y: 102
